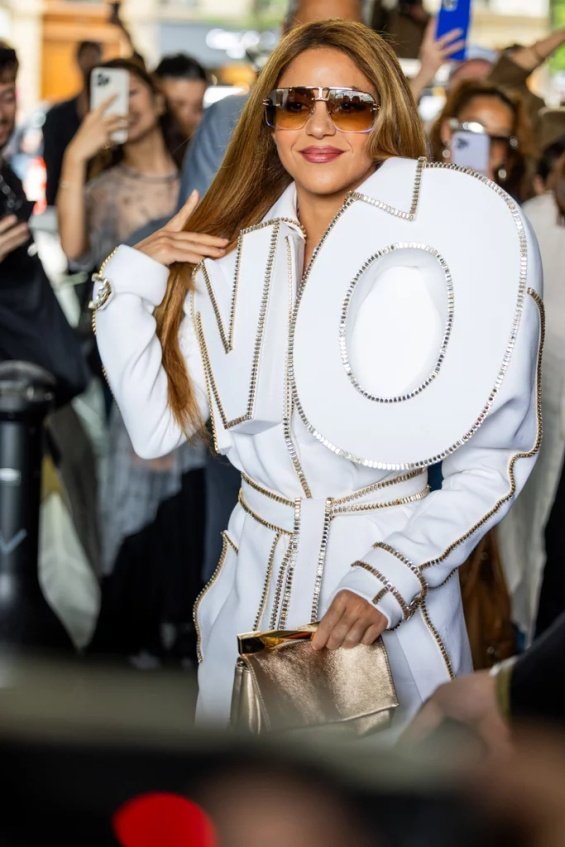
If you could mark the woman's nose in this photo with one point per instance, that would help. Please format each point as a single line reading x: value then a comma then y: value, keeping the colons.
x: 320, y: 123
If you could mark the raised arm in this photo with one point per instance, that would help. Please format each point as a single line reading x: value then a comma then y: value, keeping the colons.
x: 135, y: 285
x: 93, y: 134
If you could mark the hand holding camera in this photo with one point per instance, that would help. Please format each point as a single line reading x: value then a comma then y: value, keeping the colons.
x: 96, y: 131
x: 13, y: 234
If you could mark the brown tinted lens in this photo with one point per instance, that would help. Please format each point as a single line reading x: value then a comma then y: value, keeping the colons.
x: 351, y: 111
x: 294, y: 108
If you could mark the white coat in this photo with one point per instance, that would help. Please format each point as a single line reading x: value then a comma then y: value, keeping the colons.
x: 314, y: 518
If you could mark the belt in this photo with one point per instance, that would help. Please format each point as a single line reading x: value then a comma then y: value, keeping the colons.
x: 306, y: 523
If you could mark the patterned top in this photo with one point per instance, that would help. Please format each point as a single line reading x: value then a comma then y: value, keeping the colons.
x: 118, y: 202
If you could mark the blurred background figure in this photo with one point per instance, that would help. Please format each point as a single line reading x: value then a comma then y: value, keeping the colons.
x: 486, y: 109
x: 528, y: 687
x: 34, y: 329
x: 533, y: 536
x: 151, y: 512
x: 63, y: 119
x: 252, y: 804
x: 404, y: 22
x: 183, y: 81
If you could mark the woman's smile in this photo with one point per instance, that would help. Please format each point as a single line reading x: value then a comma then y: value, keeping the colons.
x: 321, y: 155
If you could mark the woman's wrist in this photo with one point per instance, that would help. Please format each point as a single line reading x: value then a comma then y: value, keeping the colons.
x: 74, y: 160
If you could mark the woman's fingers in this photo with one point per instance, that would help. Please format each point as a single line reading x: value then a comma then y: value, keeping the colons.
x: 327, y: 624
x: 350, y: 620
x: 371, y: 634
x: 168, y: 247
x: 115, y: 122
x: 178, y: 221
x: 450, y: 36
x: 103, y: 105
x: 7, y: 222
x: 449, y: 49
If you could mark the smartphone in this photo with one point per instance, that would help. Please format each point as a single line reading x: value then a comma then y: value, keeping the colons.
x: 455, y: 14
x: 12, y: 204
x: 105, y: 82
x: 470, y: 150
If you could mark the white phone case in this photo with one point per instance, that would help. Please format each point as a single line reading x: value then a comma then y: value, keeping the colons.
x: 470, y: 150
x: 106, y: 82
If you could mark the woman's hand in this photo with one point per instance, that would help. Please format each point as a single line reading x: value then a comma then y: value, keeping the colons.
x: 349, y: 621
x: 172, y: 244
x: 95, y: 132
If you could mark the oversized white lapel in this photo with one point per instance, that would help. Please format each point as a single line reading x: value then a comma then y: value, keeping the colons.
x: 405, y: 323
x: 241, y: 312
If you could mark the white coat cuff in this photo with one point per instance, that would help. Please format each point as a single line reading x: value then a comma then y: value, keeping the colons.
x: 389, y: 581
x: 129, y: 271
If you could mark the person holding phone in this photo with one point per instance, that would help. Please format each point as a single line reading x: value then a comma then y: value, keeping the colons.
x: 303, y: 304
x: 485, y: 128
x: 32, y: 325
x: 107, y: 191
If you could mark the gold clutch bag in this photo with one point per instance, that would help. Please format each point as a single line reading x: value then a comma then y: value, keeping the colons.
x: 282, y: 683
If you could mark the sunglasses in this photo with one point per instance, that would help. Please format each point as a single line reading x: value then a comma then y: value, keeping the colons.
x: 349, y: 109
x: 508, y: 141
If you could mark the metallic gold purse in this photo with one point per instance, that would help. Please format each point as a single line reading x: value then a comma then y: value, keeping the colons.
x: 282, y: 683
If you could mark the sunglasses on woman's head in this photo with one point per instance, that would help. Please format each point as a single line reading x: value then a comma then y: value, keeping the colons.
x: 349, y: 109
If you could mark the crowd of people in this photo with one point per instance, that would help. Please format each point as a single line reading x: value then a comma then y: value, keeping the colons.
x: 181, y: 189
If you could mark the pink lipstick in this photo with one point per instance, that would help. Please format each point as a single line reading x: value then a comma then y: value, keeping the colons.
x: 321, y: 155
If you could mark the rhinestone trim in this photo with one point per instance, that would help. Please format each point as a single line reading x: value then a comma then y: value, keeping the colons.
x: 287, y: 419
x: 273, y: 527
x: 227, y: 338
x: 387, y: 504
x: 410, y: 215
x: 410, y: 565
x: 278, y: 498
x: 400, y: 466
x: 291, y: 566
x: 267, y: 583
x: 521, y: 455
x: 407, y: 609
x: 314, y: 617
x: 248, y: 414
x: 437, y: 638
x: 391, y: 248
x: 226, y: 544
x: 279, y: 586
x: 376, y: 486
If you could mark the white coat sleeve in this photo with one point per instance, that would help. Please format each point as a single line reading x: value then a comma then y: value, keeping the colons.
x: 132, y: 356
x: 480, y: 481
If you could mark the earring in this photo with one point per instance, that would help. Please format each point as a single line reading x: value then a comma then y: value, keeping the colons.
x: 445, y: 153
x: 501, y: 174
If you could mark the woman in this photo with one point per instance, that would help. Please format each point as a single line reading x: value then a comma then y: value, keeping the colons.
x: 480, y: 107
x: 183, y: 81
x: 130, y: 184
x: 531, y: 536
x: 483, y: 107
x: 317, y: 381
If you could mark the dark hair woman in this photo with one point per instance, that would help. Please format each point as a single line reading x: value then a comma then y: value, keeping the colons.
x: 107, y: 192
x: 486, y: 108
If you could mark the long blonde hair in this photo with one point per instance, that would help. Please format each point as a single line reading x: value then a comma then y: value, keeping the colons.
x: 251, y: 176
